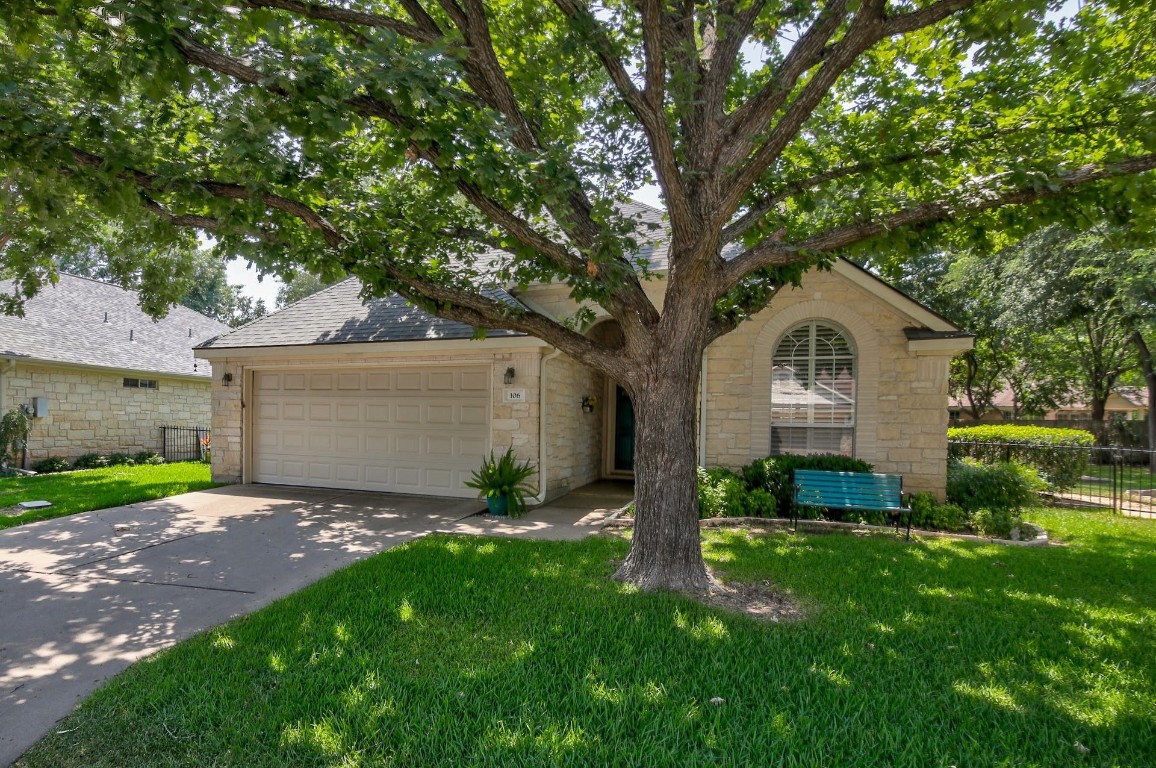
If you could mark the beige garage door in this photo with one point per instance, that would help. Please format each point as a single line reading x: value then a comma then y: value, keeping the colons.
x: 402, y: 430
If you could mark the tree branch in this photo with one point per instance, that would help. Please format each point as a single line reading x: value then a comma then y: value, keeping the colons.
x: 772, y: 252
x: 148, y: 182
x: 653, y: 121
x: 753, y: 117
x: 326, y: 12
x: 868, y: 27
x: 761, y: 208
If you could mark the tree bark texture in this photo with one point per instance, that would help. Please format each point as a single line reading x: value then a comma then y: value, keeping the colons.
x: 1146, y: 365
x: 666, y: 552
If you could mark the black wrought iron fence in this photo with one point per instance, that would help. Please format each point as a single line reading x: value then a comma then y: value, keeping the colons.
x: 185, y: 443
x: 1122, y: 479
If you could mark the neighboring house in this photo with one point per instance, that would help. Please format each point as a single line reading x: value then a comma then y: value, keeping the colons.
x: 333, y: 393
x: 101, y: 374
x: 1003, y: 407
x: 1124, y: 404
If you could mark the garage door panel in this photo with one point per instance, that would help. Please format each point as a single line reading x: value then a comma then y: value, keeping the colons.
x: 474, y: 415
x: 440, y: 380
x: 475, y: 381
x: 472, y: 446
x: 378, y: 413
x: 408, y: 381
x: 407, y: 477
x: 348, y: 473
x: 408, y: 430
x: 407, y: 413
x: 440, y: 414
x: 439, y: 445
x: 292, y: 440
x: 439, y: 479
x: 348, y: 444
x: 347, y: 411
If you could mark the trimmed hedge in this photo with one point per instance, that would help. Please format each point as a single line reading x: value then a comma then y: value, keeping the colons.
x: 1054, y: 453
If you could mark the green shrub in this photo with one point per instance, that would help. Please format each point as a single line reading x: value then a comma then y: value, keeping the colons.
x: 721, y: 493
x: 776, y: 474
x: 121, y: 459
x: 974, y: 485
x: 994, y: 523
x: 929, y: 514
x: 760, y: 503
x: 91, y: 461
x: 1055, y: 453
x: 149, y: 457
x: 50, y: 465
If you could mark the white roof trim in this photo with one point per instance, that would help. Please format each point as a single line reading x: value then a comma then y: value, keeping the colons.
x: 377, y: 348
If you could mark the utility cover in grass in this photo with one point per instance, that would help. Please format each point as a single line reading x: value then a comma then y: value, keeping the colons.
x: 34, y: 504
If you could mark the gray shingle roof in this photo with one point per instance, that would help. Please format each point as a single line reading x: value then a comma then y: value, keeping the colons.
x: 66, y: 323
x: 337, y: 315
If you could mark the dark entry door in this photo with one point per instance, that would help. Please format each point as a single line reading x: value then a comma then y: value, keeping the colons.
x: 623, y: 431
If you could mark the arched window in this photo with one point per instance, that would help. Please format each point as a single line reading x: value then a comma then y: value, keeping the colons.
x: 813, y: 391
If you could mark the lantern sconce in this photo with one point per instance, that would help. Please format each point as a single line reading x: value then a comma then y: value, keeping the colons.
x: 509, y: 377
x: 227, y: 379
x: 588, y: 403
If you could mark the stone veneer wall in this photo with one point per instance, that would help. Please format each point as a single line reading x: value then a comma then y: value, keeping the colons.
x: 573, y: 437
x: 91, y: 411
x: 901, y: 396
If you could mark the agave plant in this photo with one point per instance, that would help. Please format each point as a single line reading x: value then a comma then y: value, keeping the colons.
x: 503, y: 482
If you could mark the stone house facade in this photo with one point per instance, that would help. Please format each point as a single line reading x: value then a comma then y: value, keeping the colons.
x: 331, y: 392
x: 97, y: 375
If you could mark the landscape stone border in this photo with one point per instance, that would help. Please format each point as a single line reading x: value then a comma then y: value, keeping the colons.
x: 1039, y: 535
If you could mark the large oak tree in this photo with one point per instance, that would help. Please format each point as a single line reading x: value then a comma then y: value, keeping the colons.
x: 408, y: 141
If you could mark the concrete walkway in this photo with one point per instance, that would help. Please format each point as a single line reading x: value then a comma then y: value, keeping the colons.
x: 83, y: 597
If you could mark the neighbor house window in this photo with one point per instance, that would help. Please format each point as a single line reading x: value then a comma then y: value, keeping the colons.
x: 141, y: 383
x: 813, y: 391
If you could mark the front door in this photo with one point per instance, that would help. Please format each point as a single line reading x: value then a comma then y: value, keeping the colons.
x: 623, y: 431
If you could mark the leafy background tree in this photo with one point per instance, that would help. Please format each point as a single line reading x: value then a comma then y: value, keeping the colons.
x: 434, y: 147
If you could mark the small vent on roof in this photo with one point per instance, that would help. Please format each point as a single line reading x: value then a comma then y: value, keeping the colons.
x: 106, y: 317
x: 130, y: 335
x: 190, y: 333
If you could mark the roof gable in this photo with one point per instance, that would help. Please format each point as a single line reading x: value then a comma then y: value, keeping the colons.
x: 79, y: 321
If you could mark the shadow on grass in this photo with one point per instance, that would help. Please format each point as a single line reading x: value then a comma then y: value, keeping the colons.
x: 486, y: 652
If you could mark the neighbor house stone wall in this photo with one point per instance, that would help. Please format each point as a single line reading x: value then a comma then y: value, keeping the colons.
x: 901, y: 396
x: 573, y: 437
x: 91, y: 411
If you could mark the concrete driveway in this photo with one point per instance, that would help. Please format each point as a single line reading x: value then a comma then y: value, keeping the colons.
x: 83, y: 597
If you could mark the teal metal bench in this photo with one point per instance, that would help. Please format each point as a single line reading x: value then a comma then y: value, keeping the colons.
x: 851, y: 490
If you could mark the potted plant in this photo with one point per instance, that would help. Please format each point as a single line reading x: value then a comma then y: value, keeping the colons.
x: 503, y: 482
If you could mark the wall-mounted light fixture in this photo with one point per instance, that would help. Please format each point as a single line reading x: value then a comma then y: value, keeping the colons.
x: 227, y: 379
x: 509, y: 377
x: 588, y: 403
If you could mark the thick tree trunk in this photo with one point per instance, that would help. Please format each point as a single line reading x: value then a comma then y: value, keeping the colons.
x: 665, y: 552
x: 1149, y: 370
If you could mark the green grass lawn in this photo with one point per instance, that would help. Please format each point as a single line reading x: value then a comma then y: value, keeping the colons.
x: 459, y: 651
x: 1131, y: 476
x: 72, y: 492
